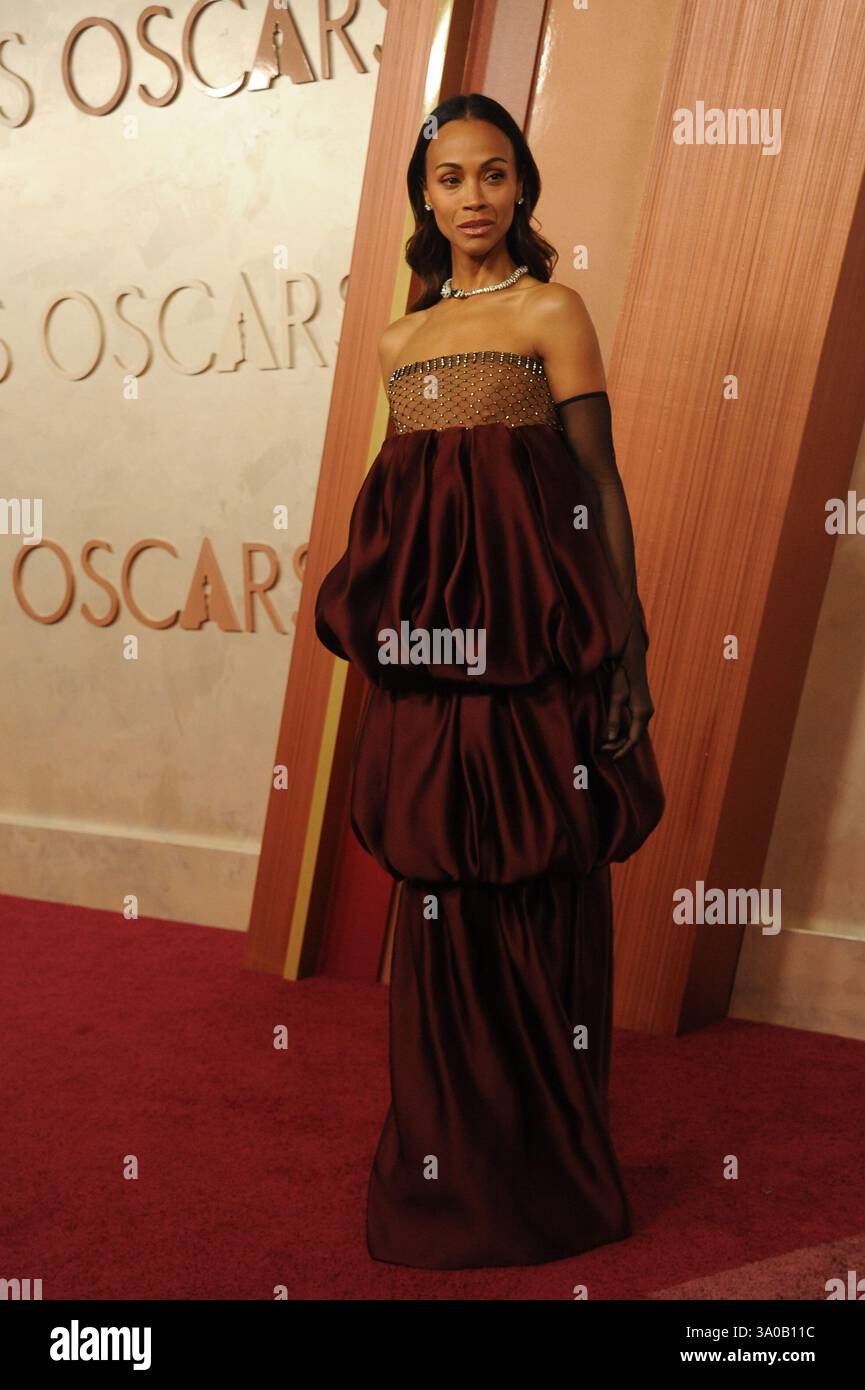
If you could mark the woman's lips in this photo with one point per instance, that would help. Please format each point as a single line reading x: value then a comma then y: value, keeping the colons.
x: 476, y: 230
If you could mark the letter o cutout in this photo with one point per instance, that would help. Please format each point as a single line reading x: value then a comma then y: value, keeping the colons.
x: 100, y: 327
x: 19, y: 589
x: 66, y: 66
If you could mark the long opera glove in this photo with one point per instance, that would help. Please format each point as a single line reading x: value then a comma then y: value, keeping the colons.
x: 587, y: 423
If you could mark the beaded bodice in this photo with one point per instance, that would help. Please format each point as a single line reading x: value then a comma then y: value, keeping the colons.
x: 471, y: 388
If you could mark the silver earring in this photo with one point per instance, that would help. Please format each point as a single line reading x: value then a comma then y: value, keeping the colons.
x: 428, y: 207
x: 519, y: 200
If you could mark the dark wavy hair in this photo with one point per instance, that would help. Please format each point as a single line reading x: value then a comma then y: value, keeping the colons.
x: 427, y: 250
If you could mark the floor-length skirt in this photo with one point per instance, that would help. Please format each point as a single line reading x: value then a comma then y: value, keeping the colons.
x: 496, y: 1148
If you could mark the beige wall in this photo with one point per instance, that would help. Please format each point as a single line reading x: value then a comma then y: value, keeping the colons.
x: 816, y: 977
x: 817, y: 849
x: 150, y: 776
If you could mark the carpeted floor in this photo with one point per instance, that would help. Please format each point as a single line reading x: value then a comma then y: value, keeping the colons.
x: 148, y: 1039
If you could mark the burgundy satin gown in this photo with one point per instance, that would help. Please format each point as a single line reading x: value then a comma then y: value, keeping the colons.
x: 496, y: 1148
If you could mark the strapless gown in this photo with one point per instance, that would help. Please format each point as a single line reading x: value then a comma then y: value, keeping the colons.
x: 480, y: 784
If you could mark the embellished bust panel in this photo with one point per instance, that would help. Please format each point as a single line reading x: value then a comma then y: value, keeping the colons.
x: 471, y: 388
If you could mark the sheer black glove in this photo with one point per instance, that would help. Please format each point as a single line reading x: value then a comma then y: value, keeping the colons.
x: 587, y: 423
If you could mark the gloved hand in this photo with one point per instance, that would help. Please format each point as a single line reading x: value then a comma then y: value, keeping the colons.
x: 629, y: 689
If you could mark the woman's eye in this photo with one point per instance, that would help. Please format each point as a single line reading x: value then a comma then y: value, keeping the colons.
x: 496, y: 174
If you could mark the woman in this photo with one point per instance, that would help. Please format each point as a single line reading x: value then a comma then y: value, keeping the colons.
x: 488, y: 592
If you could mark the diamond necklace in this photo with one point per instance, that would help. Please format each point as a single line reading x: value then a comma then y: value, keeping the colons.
x: 448, y: 293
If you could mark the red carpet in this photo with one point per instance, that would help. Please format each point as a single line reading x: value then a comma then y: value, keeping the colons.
x: 149, y: 1039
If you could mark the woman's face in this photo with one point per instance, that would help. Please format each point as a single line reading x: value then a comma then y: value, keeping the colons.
x: 471, y: 177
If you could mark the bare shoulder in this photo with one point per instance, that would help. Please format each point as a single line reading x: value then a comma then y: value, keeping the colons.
x: 393, y: 339
x: 554, y: 309
x: 565, y: 338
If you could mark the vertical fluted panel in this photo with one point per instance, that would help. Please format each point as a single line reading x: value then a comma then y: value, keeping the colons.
x: 747, y: 265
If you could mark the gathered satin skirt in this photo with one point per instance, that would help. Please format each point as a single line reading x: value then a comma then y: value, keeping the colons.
x: 496, y: 1147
